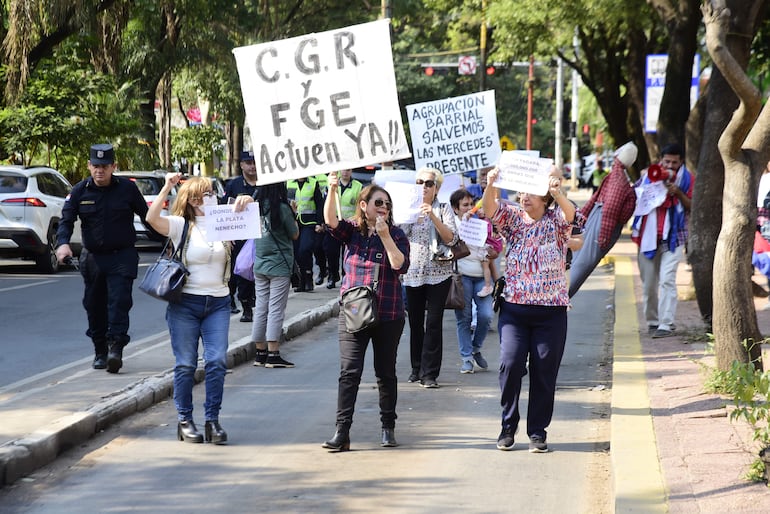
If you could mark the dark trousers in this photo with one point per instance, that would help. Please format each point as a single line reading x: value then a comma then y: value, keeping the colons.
x: 332, y: 248
x: 384, y: 337
x: 107, y: 299
x: 539, y: 333
x: 305, y: 247
x: 426, y: 339
x: 240, y: 287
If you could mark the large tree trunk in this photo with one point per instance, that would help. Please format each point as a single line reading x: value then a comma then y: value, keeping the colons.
x: 743, y: 146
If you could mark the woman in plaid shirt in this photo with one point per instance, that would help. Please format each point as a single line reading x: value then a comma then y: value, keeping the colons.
x: 370, y: 238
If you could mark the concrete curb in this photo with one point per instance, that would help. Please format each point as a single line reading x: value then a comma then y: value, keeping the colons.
x: 23, y: 456
x: 637, y: 476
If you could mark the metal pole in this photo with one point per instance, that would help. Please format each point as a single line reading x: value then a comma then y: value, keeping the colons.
x: 557, y: 151
x: 574, y: 146
x: 531, y: 85
x: 483, y: 47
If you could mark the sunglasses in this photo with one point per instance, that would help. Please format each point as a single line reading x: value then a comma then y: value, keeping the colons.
x: 426, y: 183
x: 379, y: 202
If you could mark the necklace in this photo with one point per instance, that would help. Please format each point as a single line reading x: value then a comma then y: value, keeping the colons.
x: 210, y: 245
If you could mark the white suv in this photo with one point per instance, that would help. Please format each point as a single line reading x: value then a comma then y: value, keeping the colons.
x: 31, y: 200
x: 149, y: 184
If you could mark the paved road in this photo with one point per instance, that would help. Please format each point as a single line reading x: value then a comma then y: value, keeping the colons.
x: 43, y: 323
x: 447, y: 461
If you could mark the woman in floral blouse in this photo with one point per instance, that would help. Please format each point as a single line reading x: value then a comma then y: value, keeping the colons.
x: 428, y: 279
x: 533, y: 317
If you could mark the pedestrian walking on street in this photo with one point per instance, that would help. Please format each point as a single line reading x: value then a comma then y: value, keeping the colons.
x: 428, y: 279
x: 273, y: 262
x: 533, y: 313
x: 372, y: 244
x: 203, y: 313
x: 109, y: 261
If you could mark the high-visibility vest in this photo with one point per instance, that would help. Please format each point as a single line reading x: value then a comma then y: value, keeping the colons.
x: 304, y: 196
x: 349, y: 197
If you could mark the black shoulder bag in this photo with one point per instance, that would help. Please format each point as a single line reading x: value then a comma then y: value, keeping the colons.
x: 165, y: 279
x: 359, y: 304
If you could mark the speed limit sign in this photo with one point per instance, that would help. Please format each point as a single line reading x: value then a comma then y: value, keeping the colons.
x: 466, y: 65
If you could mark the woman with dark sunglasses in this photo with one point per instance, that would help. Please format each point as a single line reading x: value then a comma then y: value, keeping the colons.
x: 372, y: 245
x: 427, y: 282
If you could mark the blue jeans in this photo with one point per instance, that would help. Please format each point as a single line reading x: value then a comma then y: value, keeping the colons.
x: 470, y: 342
x: 206, y: 318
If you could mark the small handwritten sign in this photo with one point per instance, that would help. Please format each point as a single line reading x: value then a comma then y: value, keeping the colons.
x: 524, y: 173
x: 407, y: 199
x: 650, y: 196
x: 224, y: 224
x: 474, y: 231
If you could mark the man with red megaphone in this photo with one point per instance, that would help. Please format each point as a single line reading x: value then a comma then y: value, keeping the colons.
x: 661, y: 232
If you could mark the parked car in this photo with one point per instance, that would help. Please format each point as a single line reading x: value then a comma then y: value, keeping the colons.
x: 31, y: 201
x: 149, y: 183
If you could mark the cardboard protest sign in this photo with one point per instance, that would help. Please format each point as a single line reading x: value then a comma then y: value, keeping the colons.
x: 224, y: 224
x: 523, y: 173
x: 322, y: 102
x: 456, y: 134
x: 474, y: 231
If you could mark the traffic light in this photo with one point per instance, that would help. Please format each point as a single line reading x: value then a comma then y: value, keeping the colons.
x: 433, y: 69
x: 491, y: 70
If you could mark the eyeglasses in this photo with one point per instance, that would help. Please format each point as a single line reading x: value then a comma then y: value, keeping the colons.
x: 426, y: 183
x: 379, y: 202
x: 206, y: 194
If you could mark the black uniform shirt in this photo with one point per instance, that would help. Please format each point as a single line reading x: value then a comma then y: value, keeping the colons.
x: 106, y: 214
x: 238, y: 186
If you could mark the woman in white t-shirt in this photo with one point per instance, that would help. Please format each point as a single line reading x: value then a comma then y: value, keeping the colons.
x: 203, y: 313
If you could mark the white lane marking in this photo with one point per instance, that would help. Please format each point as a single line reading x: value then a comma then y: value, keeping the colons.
x: 24, y: 286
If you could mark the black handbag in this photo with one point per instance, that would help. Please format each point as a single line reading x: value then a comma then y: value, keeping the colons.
x: 359, y: 304
x: 455, y: 298
x: 165, y: 279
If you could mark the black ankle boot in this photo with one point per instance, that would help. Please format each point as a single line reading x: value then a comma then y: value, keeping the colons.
x: 186, y: 431
x: 388, y: 438
x: 340, y: 442
x: 114, y: 356
x: 214, y: 433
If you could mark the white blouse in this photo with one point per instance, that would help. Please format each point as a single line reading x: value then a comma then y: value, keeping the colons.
x: 205, y: 261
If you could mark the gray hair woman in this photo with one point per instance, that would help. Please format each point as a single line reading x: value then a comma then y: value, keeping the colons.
x: 428, y: 279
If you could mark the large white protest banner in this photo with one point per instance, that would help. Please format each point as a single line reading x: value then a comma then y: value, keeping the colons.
x: 224, y: 224
x: 455, y: 134
x: 322, y: 102
x: 525, y: 173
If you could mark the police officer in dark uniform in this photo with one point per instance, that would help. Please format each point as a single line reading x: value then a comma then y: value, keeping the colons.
x: 308, y: 207
x: 246, y: 184
x: 109, y: 261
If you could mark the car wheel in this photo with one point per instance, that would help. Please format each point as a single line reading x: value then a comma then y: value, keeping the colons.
x: 47, y: 262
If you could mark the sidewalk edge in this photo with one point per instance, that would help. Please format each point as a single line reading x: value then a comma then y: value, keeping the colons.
x: 637, y: 476
x: 22, y: 456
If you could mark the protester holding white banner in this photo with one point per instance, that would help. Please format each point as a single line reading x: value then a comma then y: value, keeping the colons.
x: 533, y: 306
x: 203, y: 313
x: 428, y: 279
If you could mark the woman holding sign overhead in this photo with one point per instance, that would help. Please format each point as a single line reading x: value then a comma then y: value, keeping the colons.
x: 533, y: 315
x: 428, y: 279
x: 204, y: 310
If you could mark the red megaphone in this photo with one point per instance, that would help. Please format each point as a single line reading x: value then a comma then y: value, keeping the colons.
x: 656, y: 173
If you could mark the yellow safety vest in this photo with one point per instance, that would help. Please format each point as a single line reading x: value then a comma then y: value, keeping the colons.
x: 304, y: 198
x: 348, y: 199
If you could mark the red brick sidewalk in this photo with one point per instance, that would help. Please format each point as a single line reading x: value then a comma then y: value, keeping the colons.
x: 703, y: 454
